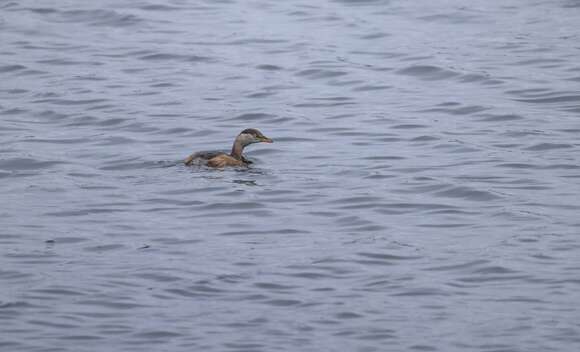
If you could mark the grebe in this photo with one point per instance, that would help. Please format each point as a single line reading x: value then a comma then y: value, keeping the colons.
x: 235, y: 158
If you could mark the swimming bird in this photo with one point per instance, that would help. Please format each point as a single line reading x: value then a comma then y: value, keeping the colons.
x: 235, y: 157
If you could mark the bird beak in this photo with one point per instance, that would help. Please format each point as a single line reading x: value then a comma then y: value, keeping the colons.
x: 266, y: 140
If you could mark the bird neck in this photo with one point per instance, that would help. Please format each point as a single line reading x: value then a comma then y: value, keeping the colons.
x: 237, y: 149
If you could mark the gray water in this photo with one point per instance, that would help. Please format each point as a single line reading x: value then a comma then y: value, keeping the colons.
x: 422, y: 193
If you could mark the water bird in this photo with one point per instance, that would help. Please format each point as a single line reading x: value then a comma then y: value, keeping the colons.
x: 219, y: 159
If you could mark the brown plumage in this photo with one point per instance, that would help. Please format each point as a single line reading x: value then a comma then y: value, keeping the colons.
x: 235, y: 157
x: 224, y: 160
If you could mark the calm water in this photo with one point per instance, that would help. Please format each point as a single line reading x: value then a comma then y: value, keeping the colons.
x: 422, y: 193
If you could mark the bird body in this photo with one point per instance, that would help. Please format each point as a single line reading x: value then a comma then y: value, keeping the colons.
x: 235, y: 158
x: 224, y: 160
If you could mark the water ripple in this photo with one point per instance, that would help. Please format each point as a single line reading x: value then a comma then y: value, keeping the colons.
x: 423, y: 180
x: 430, y: 73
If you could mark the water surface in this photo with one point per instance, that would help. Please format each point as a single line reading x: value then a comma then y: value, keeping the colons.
x: 422, y: 193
